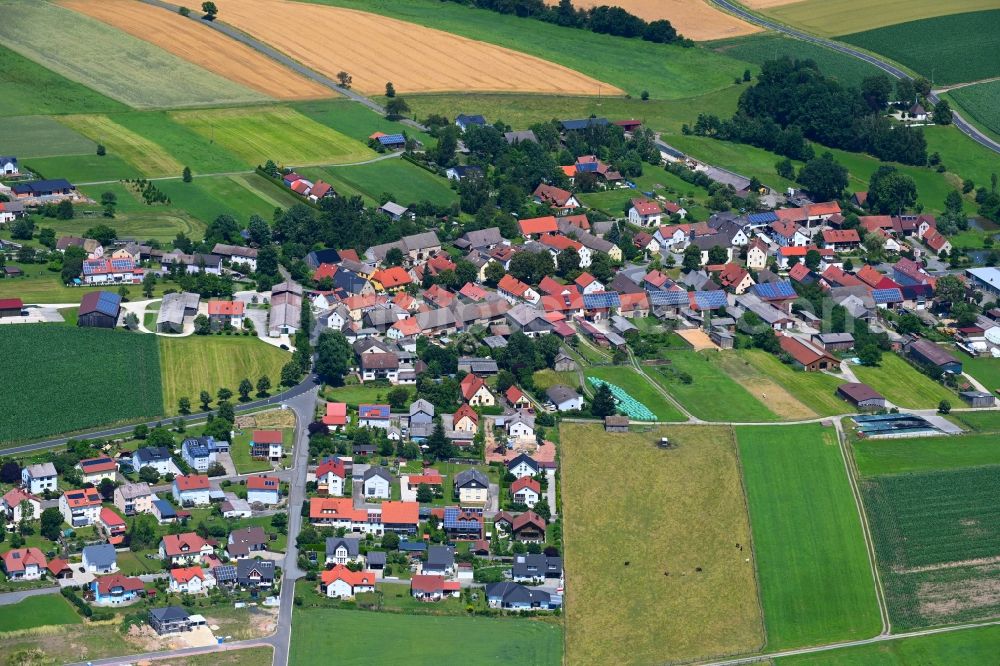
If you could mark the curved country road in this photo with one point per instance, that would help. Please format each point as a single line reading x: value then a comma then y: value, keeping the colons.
x: 887, y: 67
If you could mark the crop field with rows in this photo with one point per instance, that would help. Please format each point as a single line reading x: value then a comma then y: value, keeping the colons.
x: 937, y: 544
x: 59, y: 379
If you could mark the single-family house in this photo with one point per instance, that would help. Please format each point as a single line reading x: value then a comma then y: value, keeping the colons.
x: 111, y: 526
x: 343, y: 550
x: 190, y: 490
x: 115, y: 589
x: 373, y: 416
x: 157, y: 457
x: 39, y: 478
x: 536, y: 568
x: 564, y: 398
x: 254, y: 574
x: 331, y: 475
x: 95, y: 470
x: 263, y: 489
x: 471, y: 487
x: 24, y: 564
x: 100, y: 558
x: 465, y: 419
x: 555, y: 197
x: 439, y: 561
x: 645, y: 213
x: 475, y: 392
x: 18, y: 504
x: 526, y: 490
x: 243, y: 542
x: 527, y: 527
x: 191, y: 580
x: 226, y: 312
x: 433, y: 588
x: 523, y: 465
x: 520, y: 425
x: 198, y: 452
x: 516, y: 597
x: 185, y: 548
x: 377, y: 483
x: 342, y: 583
x: 80, y: 507
x: 134, y: 498
x: 267, y: 445
x: 169, y: 620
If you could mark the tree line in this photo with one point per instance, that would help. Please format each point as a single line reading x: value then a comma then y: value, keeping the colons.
x: 605, y: 20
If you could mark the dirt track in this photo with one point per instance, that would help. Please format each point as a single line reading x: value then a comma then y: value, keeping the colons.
x: 201, y: 46
x: 695, y: 19
x: 375, y: 49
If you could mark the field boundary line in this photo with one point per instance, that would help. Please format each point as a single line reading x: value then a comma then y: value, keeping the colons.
x: 850, y: 467
x: 753, y: 548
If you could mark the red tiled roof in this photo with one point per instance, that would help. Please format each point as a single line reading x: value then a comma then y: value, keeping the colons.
x: 408, y: 326
x: 463, y: 411
x: 839, y: 278
x: 732, y: 275
x: 646, y: 207
x: 263, y: 482
x: 800, y: 351
x: 110, y: 518
x: 187, y: 574
x: 392, y: 277
x: 656, y: 278
x: 19, y: 558
x: 539, y: 225
x: 336, y: 414
x: 267, y: 437
x: 560, y: 242
x: 335, y: 465
x: 82, y: 497
x: 579, y: 221
x: 841, y: 236
x: 228, y: 308
x: 400, y: 513
x: 11, y: 304
x: 470, y: 385
x: 352, y: 578
x: 512, y: 285
x: 584, y: 280
x: 869, y: 275
x: 430, y: 584
x: 107, y: 583
x: 336, y: 508
x: 472, y: 291
x: 552, y: 195
x: 526, y: 482
x: 16, y: 495
x: 182, y: 544
x: 514, y: 394
x: 57, y: 566
x: 191, y: 482
x: 325, y: 271
x: 799, y: 272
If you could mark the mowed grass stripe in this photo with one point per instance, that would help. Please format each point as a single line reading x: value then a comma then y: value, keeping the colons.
x: 406, y: 182
x: 28, y: 88
x: 712, y: 394
x: 778, y: 399
x: 875, y: 457
x: 903, y: 384
x: 277, y: 133
x: 109, y: 61
x: 208, y: 363
x: 666, y: 513
x: 40, y: 136
x: 40, y: 611
x: 149, y: 158
x: 812, y: 564
x: 639, y: 388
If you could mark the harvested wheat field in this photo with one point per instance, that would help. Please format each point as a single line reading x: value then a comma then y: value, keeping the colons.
x: 202, y: 46
x: 374, y: 49
x: 695, y: 19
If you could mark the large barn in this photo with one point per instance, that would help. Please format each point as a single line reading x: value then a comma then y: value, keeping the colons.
x: 99, y: 309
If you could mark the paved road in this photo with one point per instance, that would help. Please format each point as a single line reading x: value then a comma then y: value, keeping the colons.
x: 307, y: 385
x: 8, y: 598
x: 885, y: 66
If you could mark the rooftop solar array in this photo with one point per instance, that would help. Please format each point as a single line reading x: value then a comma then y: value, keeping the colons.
x: 709, y: 300
x: 774, y: 290
x: 108, y: 303
x: 452, y: 521
x: 601, y: 299
x: 762, y: 218
x: 392, y: 138
x: 892, y: 295
x: 657, y: 298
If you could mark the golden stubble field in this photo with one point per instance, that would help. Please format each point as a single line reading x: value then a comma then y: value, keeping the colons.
x: 375, y: 49
x: 638, y: 523
x: 202, y: 46
x: 695, y: 19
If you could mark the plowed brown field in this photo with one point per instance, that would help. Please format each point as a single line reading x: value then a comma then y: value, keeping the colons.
x: 695, y: 19
x: 376, y: 49
x: 202, y: 46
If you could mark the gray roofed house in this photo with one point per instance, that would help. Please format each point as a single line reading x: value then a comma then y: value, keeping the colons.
x: 225, y: 574
x: 254, y: 573
x: 100, y: 558
x: 417, y: 246
x: 244, y: 541
x: 520, y: 136
x: 480, y: 239
x: 564, y: 398
x: 529, y: 320
x: 169, y: 619
x: 471, y: 477
x: 514, y: 596
x: 421, y: 411
x: 285, y: 314
x: 593, y: 242
x: 531, y: 567
x: 173, y: 309
x: 495, y: 341
x: 440, y: 560
x: 341, y: 550
x: 393, y: 210
x: 478, y: 366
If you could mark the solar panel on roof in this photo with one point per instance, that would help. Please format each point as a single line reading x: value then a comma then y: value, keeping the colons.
x: 762, y: 218
x: 605, y: 299
x: 392, y: 138
x: 668, y: 297
x: 710, y: 299
x: 893, y: 295
x: 782, y: 289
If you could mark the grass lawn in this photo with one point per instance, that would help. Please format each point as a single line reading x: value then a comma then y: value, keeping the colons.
x: 197, y: 363
x: 666, y: 71
x: 961, y: 155
x: 154, y: 222
x: 945, y: 57
x: 40, y: 136
x: 184, y: 145
x: 788, y: 392
x: 150, y: 158
x: 240, y: 195
x: 135, y: 564
x: 37, y: 406
x: 547, y: 378
x: 984, y: 368
x: 639, y: 388
x: 970, y: 647
x: 769, y: 46
x: 522, y: 110
x: 358, y: 394
x: 406, y: 182
x: 88, y: 168
x: 38, y: 611
x: 807, y: 537
x: 421, y: 639
x: 920, y: 454
x: 40, y: 285
x: 903, y: 384
x: 27, y: 88
x: 240, y: 451
x: 712, y: 394
x: 282, y: 134
x: 258, y: 656
x: 140, y: 74
x: 686, y: 568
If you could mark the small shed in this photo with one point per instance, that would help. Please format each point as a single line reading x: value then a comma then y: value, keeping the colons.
x: 978, y: 398
x: 616, y: 423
